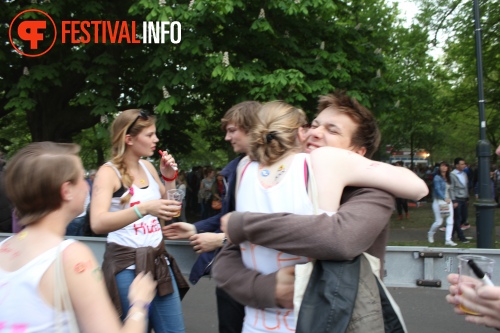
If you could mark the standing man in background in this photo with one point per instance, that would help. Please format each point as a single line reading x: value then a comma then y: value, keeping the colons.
x: 206, y: 236
x: 459, y: 192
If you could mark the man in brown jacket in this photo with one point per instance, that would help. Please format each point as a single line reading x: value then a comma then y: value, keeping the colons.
x: 360, y: 225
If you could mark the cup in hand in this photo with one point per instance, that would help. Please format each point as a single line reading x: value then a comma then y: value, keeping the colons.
x: 468, y: 277
x: 176, y: 195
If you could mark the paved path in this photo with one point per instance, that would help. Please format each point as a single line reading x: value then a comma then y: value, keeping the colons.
x: 425, y: 311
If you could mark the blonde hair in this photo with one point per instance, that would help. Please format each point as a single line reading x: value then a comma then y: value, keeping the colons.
x: 34, y: 176
x: 275, y: 132
x: 243, y: 115
x: 132, y: 123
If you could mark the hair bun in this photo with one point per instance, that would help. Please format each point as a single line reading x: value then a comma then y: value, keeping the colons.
x: 270, y: 136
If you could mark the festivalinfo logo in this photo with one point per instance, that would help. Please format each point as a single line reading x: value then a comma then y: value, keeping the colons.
x: 33, y: 32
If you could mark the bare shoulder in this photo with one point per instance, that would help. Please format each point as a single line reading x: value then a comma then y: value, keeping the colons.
x: 105, y: 172
x: 148, y: 165
x: 80, y: 263
x: 77, y: 251
x: 106, y: 179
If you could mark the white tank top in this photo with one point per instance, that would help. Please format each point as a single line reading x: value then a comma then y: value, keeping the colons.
x: 289, y: 195
x: 22, y: 310
x: 143, y: 232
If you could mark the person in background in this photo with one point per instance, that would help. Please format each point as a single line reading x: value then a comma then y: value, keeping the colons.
x: 77, y: 226
x: 128, y: 200
x: 492, y: 180
x: 218, y: 190
x: 401, y: 203
x: 459, y: 192
x: 193, y: 186
x: 441, y: 195
x: 182, y: 185
x: 205, y: 193
x: 496, y: 178
x: 206, y: 236
x: 485, y: 300
x: 45, y: 182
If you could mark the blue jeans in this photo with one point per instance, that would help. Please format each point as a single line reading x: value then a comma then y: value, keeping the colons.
x: 165, y: 313
x: 459, y: 217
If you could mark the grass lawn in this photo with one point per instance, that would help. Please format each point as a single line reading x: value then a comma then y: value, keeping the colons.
x: 422, y: 217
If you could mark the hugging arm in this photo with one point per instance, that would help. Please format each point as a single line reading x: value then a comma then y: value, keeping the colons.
x: 336, y: 168
x: 351, y: 231
x: 245, y: 285
x: 360, y: 225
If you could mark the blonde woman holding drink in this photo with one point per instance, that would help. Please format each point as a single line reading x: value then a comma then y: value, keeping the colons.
x: 128, y: 200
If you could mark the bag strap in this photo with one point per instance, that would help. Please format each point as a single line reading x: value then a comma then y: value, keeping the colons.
x: 62, y: 301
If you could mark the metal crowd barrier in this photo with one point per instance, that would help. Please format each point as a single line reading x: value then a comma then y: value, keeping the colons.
x: 405, y: 266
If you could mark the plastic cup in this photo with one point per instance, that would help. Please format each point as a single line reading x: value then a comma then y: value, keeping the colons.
x: 468, y: 277
x: 176, y: 195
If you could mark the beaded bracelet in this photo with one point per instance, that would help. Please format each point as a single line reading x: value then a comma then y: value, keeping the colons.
x: 171, y: 179
x: 143, y: 305
x: 138, y: 212
x: 138, y: 315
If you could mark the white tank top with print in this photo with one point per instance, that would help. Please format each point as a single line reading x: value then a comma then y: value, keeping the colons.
x: 289, y: 195
x: 142, y: 232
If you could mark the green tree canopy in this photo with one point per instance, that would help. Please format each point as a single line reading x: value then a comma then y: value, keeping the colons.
x: 230, y: 51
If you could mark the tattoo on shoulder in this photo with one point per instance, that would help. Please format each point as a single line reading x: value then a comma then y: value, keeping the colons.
x: 84, y: 266
x: 6, y: 249
x: 81, y: 267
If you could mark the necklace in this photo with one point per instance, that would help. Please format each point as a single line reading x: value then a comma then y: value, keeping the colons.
x: 265, y: 173
x: 142, y: 181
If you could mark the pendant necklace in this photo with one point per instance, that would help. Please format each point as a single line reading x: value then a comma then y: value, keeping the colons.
x: 265, y: 173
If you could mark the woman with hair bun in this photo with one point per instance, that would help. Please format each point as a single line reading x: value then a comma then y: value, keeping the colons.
x: 128, y: 201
